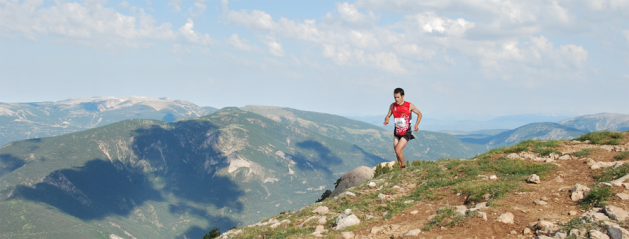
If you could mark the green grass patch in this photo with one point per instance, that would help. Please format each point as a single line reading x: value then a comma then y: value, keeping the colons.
x: 482, y: 190
x: 611, y: 173
x: 445, y: 217
x: 583, y: 152
x: 598, y: 197
x: 602, y: 137
x: 622, y: 155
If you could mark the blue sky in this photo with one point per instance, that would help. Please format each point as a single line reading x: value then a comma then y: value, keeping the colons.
x: 455, y: 59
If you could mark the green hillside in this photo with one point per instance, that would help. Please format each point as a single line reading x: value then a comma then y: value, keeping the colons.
x: 428, y: 145
x: 153, y: 179
x: 539, y: 131
x: 20, y: 121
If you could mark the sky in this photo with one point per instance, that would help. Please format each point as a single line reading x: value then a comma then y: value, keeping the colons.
x: 474, y: 59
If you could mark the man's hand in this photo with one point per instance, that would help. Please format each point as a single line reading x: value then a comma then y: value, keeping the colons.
x: 386, y: 121
x: 416, y: 127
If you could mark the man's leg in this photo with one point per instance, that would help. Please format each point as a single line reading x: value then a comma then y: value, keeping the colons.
x: 399, y: 147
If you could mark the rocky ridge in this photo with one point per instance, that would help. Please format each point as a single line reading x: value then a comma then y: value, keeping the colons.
x: 577, y: 190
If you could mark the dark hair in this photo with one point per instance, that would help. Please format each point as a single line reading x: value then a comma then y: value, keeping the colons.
x: 398, y: 91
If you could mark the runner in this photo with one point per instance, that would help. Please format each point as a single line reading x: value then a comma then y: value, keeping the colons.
x: 401, y: 111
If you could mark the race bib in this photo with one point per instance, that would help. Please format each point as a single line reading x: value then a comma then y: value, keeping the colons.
x: 400, y: 122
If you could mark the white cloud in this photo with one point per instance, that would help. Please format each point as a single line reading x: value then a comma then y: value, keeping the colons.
x: 191, y: 36
x: 224, y: 5
x: 275, y: 48
x: 200, y: 8
x: 241, y: 44
x: 348, y: 14
x: 124, y: 4
x: 92, y: 24
x: 175, y: 4
x: 345, y: 55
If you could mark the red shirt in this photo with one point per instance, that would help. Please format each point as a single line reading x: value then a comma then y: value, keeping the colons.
x: 402, y: 117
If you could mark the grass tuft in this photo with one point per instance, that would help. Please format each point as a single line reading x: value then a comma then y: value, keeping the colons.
x: 602, y: 137
x: 611, y: 173
x: 622, y: 155
x: 446, y: 216
x: 598, y: 197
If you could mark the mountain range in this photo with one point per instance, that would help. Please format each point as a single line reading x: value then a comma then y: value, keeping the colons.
x: 20, y: 121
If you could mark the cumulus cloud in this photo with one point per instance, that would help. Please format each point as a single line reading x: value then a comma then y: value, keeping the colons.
x: 91, y: 24
x: 350, y: 15
x: 191, y: 36
x: 345, y: 55
x: 241, y: 44
x: 198, y: 8
x: 275, y: 48
x: 175, y: 4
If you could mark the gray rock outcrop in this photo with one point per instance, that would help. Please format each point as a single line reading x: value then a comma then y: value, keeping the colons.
x: 354, y: 178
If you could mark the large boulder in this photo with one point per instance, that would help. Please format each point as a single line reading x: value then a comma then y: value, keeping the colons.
x: 352, y: 179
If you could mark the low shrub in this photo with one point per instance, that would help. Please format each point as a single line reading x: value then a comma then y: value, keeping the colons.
x: 598, y: 197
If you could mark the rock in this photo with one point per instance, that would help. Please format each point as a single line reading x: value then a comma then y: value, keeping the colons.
x: 280, y: 223
x: 479, y: 206
x: 320, y: 229
x: 618, y: 182
x: 352, y: 179
x: 572, y: 213
x: 372, y: 184
x: 594, y: 234
x: 579, y: 192
x: 615, y: 231
x: 616, y: 213
x: 461, y: 210
x: 526, y: 231
x: 543, y: 237
x: 322, y: 221
x: 396, y: 187
x: 493, y: 177
x: 534, y: 179
x: 599, y: 165
x: 590, y: 161
x: 408, y: 201
x: 482, y: 215
x: 558, y: 179
x: 414, y: 212
x: 383, y: 196
x: 506, y: 218
x: 513, y: 156
x: 561, y: 235
x: 414, y: 232
x: 564, y: 157
x: 540, y: 202
x: 386, y: 164
x: 322, y: 210
x: 347, y: 235
x: 375, y: 230
x: 349, y: 221
x: 623, y: 196
x: 351, y: 194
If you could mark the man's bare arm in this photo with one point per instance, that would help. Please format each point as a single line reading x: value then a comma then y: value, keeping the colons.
x: 419, y: 116
x: 386, y: 120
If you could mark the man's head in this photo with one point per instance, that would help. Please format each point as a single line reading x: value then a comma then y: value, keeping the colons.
x: 398, y: 94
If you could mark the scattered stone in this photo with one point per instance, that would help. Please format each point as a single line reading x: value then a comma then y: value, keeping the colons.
x: 615, y: 231
x: 534, y: 179
x: 594, y: 234
x: 482, y: 215
x: 623, y: 196
x: 351, y: 194
x: 544, y: 198
x: 564, y: 157
x: 322, y: 221
x: 513, y: 156
x: 506, y: 218
x: 372, y: 184
x: 320, y: 229
x: 383, y: 196
x: 616, y: 213
x: 618, y: 182
x: 414, y: 232
x: 347, y: 235
x: 408, y: 201
x: 561, y: 235
x: 322, y: 210
x: 479, y: 206
x: 461, y: 210
x: 513, y: 232
x: 414, y: 212
x: 375, y: 230
x: 396, y: 187
x: 579, y: 192
x: 540, y: 202
x: 604, y: 184
x: 280, y: 223
x: 526, y: 231
x: 558, y: 179
x: 348, y: 221
x: 493, y: 177
x: 590, y: 161
x: 626, y: 185
x: 572, y: 213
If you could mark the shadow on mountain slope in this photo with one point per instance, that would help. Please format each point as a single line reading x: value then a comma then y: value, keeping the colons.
x: 93, y: 191
x: 220, y: 222
x: 10, y: 163
x: 178, y: 151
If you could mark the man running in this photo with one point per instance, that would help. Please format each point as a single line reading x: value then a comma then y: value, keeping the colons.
x: 401, y: 111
